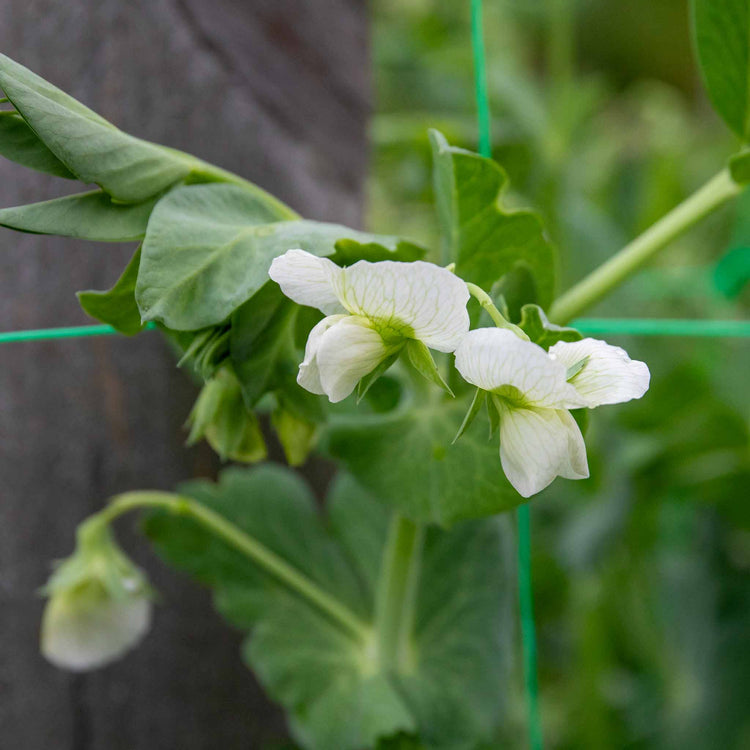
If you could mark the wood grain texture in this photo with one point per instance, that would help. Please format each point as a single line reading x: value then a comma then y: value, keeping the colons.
x: 276, y: 90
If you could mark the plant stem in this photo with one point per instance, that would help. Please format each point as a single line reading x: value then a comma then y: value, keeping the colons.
x: 397, y: 593
x: 486, y: 302
x: 244, y: 543
x: 528, y: 634
x: 619, y: 267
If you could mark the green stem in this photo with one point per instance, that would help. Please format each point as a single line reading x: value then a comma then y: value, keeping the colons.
x: 480, y: 79
x: 486, y: 302
x: 560, y: 47
x: 244, y: 543
x: 600, y: 282
x: 397, y: 593
x: 528, y: 634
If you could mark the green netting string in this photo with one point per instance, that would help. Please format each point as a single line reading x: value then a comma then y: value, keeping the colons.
x: 69, y: 332
x: 525, y: 591
x: 592, y: 326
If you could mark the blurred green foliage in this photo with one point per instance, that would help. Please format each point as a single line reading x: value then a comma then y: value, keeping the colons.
x: 641, y: 573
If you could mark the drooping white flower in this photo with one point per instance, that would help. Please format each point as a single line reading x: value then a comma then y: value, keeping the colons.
x: 539, y: 439
x: 372, y: 309
x: 99, y: 604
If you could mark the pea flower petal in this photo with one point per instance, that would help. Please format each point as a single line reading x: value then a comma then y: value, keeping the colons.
x: 537, y: 445
x: 99, y: 603
x: 86, y: 628
x: 346, y: 352
x: 608, y: 376
x: 495, y: 358
x: 373, y: 309
x: 308, y: 280
x: 539, y: 439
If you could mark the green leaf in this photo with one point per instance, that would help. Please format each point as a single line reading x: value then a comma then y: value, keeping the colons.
x: 406, y: 458
x: 19, y: 143
x: 129, y: 169
x: 535, y: 325
x: 87, y: 216
x: 261, y: 341
x: 422, y: 361
x: 336, y: 692
x: 117, y: 307
x: 485, y: 240
x: 208, y: 249
x: 722, y: 42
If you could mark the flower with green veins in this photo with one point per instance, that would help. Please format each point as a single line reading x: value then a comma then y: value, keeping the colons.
x: 601, y: 373
x: 99, y: 603
x: 373, y: 310
x: 530, y: 389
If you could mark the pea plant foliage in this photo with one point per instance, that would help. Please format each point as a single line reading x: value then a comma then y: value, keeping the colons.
x: 388, y: 614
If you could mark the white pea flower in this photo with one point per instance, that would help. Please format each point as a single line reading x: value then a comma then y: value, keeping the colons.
x: 99, y: 604
x: 373, y: 310
x: 601, y: 373
x: 539, y: 439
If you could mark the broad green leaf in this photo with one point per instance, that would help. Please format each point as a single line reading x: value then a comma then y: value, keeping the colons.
x: 722, y: 42
x: 127, y: 168
x: 406, y: 458
x: 20, y: 144
x: 208, y: 249
x: 335, y: 690
x: 273, y: 505
x: 485, y: 240
x: 535, y: 325
x: 87, y: 216
x: 116, y: 306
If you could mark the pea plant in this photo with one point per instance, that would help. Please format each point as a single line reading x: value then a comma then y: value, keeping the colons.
x: 445, y: 382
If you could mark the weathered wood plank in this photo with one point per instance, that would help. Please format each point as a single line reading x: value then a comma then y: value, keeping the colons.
x: 276, y: 90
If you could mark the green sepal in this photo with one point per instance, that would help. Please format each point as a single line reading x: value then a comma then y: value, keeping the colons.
x: 297, y: 436
x: 116, y: 306
x: 476, y: 405
x: 535, y: 325
x: 368, y: 380
x: 421, y: 359
x: 207, y: 352
x: 575, y: 368
x: 493, y: 414
x: 220, y: 416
